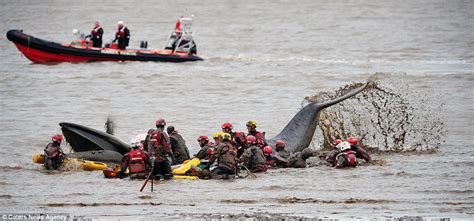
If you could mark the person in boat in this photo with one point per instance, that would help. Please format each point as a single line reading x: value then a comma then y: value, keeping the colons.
x: 331, y: 156
x: 281, y: 156
x: 267, y: 151
x: 178, y: 28
x: 178, y: 145
x: 96, y: 35
x: 122, y: 35
x: 346, y: 157
x: 361, y: 153
x: 240, y: 142
x: 53, y: 154
x: 298, y: 160
x: 158, y: 146
x: 205, y: 146
x: 253, y: 157
x: 225, y: 158
x: 136, y: 161
x: 252, y: 130
x: 78, y: 34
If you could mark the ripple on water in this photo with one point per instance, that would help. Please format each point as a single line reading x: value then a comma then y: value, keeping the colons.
x: 9, y: 168
x: 291, y: 200
x: 99, y: 204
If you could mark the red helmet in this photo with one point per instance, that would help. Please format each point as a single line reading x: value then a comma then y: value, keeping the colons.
x: 201, y: 138
x: 280, y: 144
x: 337, y: 141
x: 210, y: 151
x: 160, y: 122
x: 267, y: 150
x: 227, y: 125
x: 240, y: 135
x: 353, y: 141
x: 57, y: 138
x: 251, y: 139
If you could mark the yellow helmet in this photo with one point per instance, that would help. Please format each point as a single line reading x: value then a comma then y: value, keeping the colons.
x: 252, y: 123
x: 218, y: 134
x: 226, y: 136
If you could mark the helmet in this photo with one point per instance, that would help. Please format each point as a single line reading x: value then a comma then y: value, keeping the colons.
x: 227, y: 125
x: 251, y: 139
x: 170, y: 129
x: 344, y: 146
x: 201, y: 138
x: 280, y: 144
x: 226, y: 136
x: 267, y: 150
x: 240, y: 136
x: 75, y: 31
x: 57, y: 138
x: 135, y: 143
x: 160, y: 122
x: 217, y: 134
x: 307, y: 152
x: 353, y: 141
x: 210, y: 151
x: 336, y: 141
x: 251, y: 123
x: 120, y: 23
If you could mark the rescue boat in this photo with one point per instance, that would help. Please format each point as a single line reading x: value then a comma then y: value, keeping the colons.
x: 42, y: 51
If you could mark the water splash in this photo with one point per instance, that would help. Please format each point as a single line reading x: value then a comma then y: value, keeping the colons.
x: 390, y: 115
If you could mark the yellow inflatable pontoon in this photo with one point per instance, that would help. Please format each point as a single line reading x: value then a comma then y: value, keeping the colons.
x: 85, y: 164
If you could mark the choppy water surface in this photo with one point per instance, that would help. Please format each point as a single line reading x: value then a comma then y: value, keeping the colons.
x: 262, y: 60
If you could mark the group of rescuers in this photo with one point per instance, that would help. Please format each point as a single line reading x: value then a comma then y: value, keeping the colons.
x: 160, y: 150
x: 122, y: 35
x: 229, y: 152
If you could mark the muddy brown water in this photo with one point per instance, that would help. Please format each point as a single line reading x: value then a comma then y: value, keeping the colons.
x: 262, y: 59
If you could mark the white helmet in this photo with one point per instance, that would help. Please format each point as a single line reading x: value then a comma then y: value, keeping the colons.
x: 135, y: 142
x: 75, y: 31
x: 120, y: 23
x: 344, y: 146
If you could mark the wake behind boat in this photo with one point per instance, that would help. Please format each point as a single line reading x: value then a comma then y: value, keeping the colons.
x: 42, y: 51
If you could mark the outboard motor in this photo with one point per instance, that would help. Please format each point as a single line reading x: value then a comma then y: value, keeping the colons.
x: 144, y: 44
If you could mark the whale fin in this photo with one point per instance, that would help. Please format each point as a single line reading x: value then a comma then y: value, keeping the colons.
x: 345, y: 96
x: 298, y: 133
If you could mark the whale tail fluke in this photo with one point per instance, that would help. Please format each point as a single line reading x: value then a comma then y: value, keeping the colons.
x: 344, y: 97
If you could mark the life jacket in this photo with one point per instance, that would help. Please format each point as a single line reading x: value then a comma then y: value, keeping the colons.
x: 361, y: 153
x: 178, y: 27
x: 53, y: 150
x: 350, y: 157
x: 121, y: 32
x: 160, y: 143
x: 95, y: 31
x: 270, y: 162
x: 138, y: 160
x: 260, y: 138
